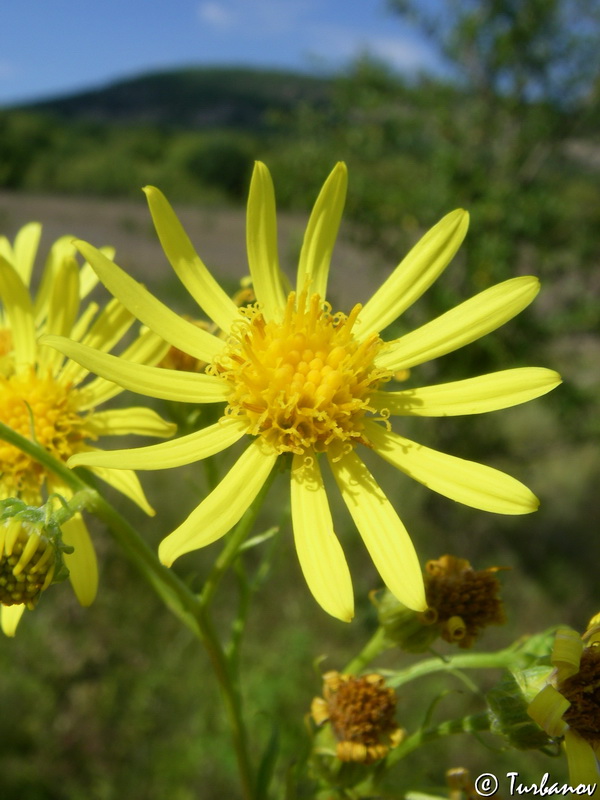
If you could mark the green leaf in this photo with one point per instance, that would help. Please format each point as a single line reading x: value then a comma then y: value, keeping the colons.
x: 267, y: 764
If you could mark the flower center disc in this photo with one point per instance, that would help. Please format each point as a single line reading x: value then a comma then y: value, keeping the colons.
x: 44, y: 410
x: 303, y: 382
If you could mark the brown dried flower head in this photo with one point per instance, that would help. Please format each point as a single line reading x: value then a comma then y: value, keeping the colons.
x: 582, y: 690
x: 361, y: 712
x: 462, y: 601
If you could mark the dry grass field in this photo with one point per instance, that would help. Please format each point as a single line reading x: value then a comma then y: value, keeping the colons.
x: 218, y: 234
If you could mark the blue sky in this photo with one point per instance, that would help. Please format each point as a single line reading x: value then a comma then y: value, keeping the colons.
x: 51, y: 48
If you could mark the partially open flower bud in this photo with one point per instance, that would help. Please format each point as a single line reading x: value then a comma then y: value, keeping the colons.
x: 28, y: 560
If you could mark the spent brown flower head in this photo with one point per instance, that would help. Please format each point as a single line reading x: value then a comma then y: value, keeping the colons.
x: 361, y: 712
x: 582, y: 690
x: 462, y: 601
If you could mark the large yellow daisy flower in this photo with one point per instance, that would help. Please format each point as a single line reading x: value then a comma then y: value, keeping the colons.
x: 299, y: 379
x: 42, y: 396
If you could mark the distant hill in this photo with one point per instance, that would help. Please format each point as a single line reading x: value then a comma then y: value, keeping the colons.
x: 196, y: 98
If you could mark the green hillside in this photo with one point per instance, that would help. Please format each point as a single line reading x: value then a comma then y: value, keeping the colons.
x: 195, y: 98
x: 195, y: 132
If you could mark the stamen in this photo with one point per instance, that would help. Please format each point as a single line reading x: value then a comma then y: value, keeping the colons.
x: 302, y: 383
x: 46, y: 410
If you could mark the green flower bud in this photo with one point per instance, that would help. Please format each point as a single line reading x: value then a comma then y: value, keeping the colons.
x: 30, y: 553
x: 410, y: 630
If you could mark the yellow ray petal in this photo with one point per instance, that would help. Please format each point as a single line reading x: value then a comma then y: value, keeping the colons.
x: 319, y: 551
x: 108, y: 328
x: 9, y: 618
x: 467, y: 482
x: 133, y: 420
x: 185, y: 450
x: 63, y: 306
x: 582, y: 761
x: 147, y: 349
x: 82, y: 325
x: 261, y: 242
x: 547, y: 709
x: 26, y: 246
x: 192, y: 272
x: 461, y: 325
x: 126, y: 482
x: 166, y: 384
x: 223, y: 507
x: 321, y: 233
x: 147, y: 308
x: 82, y: 563
x: 382, y: 531
x: 19, y: 312
x: 6, y: 249
x: 414, y: 274
x: 478, y: 395
x: 88, y: 280
x: 566, y: 653
x: 62, y: 248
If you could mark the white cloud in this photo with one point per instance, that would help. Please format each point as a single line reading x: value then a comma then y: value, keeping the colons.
x: 260, y: 18
x: 279, y: 17
x: 216, y: 14
x: 402, y: 52
x: 337, y: 45
x: 309, y: 31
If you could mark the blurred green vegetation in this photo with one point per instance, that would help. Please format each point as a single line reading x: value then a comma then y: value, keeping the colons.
x: 116, y: 701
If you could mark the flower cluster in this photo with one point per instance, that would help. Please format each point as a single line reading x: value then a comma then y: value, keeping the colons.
x: 46, y: 398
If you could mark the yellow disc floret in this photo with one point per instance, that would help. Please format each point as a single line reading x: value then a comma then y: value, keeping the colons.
x: 46, y: 411
x: 304, y: 382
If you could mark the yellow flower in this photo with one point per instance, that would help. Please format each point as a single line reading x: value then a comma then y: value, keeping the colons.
x: 569, y: 705
x: 42, y: 394
x: 302, y: 380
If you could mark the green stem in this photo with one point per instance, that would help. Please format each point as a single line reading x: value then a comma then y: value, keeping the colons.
x: 498, y: 660
x: 174, y: 593
x: 80, y: 501
x: 474, y: 723
x: 193, y: 613
x: 43, y: 457
x: 376, y: 645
